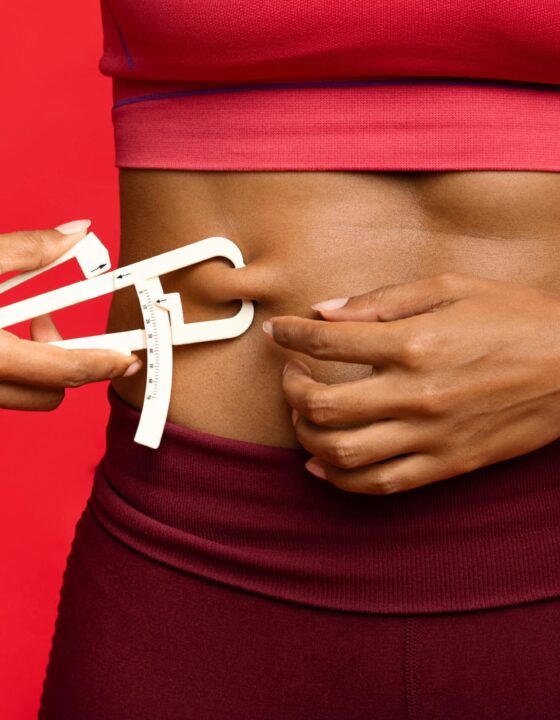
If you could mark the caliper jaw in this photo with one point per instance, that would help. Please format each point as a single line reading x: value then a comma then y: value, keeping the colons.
x: 183, y: 333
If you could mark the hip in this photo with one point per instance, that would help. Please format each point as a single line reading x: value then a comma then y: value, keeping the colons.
x: 136, y: 638
x: 249, y: 515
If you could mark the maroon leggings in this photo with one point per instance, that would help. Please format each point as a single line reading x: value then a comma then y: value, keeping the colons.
x: 136, y: 639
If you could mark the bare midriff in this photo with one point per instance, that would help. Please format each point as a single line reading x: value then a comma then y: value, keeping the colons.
x: 307, y: 237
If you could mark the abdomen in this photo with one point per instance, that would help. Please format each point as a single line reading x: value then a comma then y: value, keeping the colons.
x: 306, y: 237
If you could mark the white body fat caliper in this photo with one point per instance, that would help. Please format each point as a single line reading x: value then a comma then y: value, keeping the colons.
x: 162, y: 313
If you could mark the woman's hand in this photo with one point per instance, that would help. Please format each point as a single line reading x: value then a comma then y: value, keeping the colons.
x: 33, y: 375
x: 466, y: 373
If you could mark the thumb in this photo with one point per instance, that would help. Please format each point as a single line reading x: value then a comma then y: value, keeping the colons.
x: 396, y: 301
x: 32, y: 249
x: 43, y: 329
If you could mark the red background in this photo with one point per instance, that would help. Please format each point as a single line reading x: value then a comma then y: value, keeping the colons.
x: 56, y: 165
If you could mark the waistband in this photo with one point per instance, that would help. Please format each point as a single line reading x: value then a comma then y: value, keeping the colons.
x: 250, y: 516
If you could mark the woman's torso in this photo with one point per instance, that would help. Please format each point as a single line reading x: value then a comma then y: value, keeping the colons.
x: 306, y: 237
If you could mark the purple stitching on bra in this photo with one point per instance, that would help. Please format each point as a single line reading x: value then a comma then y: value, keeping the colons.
x: 334, y: 84
x: 129, y: 60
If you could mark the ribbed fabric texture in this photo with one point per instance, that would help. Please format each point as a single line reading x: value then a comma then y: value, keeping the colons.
x: 321, y: 85
x: 250, y: 516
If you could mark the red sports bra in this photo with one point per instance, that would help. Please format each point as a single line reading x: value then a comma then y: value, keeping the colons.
x: 323, y: 85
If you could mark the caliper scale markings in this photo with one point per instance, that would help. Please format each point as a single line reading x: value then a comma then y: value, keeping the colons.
x: 159, y: 358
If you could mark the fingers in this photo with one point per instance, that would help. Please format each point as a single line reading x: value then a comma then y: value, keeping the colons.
x: 385, y: 456
x: 34, y: 363
x: 353, y: 342
x: 36, y: 372
x: 399, y: 300
x: 14, y: 396
x: 385, y: 478
x: 372, y: 398
x: 31, y: 249
x: 44, y: 330
x: 352, y: 448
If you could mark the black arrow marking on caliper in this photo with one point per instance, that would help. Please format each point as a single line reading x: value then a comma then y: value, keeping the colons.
x: 99, y: 267
x: 120, y: 277
x: 162, y: 300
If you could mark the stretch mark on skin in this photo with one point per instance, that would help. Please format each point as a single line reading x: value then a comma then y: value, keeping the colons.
x: 331, y: 84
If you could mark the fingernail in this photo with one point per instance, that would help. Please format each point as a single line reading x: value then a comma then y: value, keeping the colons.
x: 74, y: 226
x: 131, y: 369
x: 267, y: 327
x: 295, y: 416
x: 333, y: 304
x: 315, y: 468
